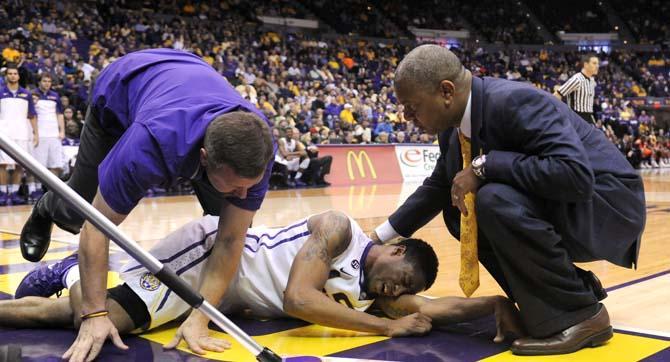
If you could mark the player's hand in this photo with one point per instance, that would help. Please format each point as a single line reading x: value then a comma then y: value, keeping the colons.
x: 196, y: 334
x: 508, y: 321
x: 36, y: 141
x: 464, y: 182
x: 413, y: 324
x: 61, y: 135
x: 92, y: 335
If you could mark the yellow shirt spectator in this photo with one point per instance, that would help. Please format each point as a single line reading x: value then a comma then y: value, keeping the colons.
x: 346, y: 115
x: 11, y: 55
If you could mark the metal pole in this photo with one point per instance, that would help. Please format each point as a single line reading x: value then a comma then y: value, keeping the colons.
x: 162, y: 272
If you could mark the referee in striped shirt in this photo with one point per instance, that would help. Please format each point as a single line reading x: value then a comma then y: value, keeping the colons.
x: 580, y: 88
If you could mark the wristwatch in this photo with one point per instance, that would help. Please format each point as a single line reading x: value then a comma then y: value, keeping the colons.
x: 478, y: 166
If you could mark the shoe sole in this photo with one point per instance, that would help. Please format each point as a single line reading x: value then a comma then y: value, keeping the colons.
x: 592, y: 341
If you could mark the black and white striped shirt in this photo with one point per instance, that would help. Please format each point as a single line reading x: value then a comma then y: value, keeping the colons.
x: 579, y: 90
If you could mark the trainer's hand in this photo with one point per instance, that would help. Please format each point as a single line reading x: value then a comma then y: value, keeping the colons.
x: 92, y: 335
x: 508, y: 320
x: 196, y: 334
x: 413, y: 324
x: 464, y: 182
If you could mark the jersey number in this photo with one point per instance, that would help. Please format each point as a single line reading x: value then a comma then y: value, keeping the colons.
x: 342, y: 299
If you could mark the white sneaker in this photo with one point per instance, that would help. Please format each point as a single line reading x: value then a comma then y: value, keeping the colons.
x: 654, y: 164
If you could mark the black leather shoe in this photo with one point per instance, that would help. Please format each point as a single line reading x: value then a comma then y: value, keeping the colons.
x: 36, y: 236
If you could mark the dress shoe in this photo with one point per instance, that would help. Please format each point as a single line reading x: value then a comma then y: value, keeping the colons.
x: 36, y: 236
x: 591, y: 332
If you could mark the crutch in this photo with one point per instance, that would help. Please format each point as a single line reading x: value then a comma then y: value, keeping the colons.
x: 158, y: 269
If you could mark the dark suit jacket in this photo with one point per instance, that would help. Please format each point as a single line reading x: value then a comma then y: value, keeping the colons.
x: 536, y: 144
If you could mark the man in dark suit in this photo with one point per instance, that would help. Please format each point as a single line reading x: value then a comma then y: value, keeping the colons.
x: 544, y: 190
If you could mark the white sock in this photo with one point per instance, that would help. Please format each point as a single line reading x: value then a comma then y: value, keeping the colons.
x: 38, y: 186
x: 298, y: 175
x: 72, y: 276
x: 13, y: 188
x: 31, y: 187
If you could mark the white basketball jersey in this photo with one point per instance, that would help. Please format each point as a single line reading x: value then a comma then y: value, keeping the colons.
x: 262, y: 275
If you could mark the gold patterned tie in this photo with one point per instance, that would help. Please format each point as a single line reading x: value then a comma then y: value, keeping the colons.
x: 469, y: 275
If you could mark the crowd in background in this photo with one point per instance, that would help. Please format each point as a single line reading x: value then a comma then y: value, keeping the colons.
x: 331, y: 90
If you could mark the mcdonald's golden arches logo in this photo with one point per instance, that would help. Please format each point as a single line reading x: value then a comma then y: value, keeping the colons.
x: 358, y: 157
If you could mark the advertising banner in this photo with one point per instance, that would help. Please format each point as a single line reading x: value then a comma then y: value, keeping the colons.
x: 417, y: 161
x: 362, y: 165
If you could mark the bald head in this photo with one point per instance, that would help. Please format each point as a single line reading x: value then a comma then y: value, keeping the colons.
x: 426, y: 66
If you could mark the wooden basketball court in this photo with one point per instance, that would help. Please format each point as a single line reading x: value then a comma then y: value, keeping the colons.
x: 638, y: 302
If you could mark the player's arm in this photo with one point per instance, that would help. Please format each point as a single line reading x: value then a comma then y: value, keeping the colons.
x: 61, y: 126
x: 217, y: 274
x: 450, y: 310
x: 281, y: 147
x: 300, y: 149
x: 304, y: 298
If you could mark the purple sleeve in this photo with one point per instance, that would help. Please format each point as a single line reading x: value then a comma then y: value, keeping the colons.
x: 133, y: 165
x: 59, y: 106
x: 31, y: 107
x: 256, y: 193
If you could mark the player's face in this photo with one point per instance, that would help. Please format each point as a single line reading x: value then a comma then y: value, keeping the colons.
x: 393, y: 276
x: 45, y: 83
x: 12, y: 76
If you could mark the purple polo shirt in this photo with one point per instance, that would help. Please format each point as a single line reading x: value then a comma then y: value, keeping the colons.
x: 160, y: 102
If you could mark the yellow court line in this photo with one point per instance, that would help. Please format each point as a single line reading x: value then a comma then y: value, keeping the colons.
x: 311, y: 340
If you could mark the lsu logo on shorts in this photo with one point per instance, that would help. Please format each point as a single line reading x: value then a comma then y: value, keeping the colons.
x: 149, y: 282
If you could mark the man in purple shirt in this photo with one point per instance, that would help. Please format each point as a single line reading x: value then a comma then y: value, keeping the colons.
x: 158, y: 117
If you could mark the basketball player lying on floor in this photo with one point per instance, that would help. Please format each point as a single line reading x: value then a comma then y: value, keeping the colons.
x: 323, y: 269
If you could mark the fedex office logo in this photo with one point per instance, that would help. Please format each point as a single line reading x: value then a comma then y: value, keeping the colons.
x: 414, y: 157
x: 411, y: 157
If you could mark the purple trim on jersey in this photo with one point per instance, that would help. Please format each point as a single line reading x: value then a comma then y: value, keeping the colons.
x: 23, y: 94
x: 179, y: 253
x: 297, y: 236
x: 361, y: 282
x: 181, y: 271
x: 51, y: 96
x: 258, y: 238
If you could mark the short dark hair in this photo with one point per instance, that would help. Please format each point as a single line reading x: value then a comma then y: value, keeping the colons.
x: 11, y: 66
x: 586, y: 57
x: 422, y: 257
x: 241, y: 140
x: 45, y: 75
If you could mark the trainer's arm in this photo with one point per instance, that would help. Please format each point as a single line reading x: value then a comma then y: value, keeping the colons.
x: 94, y: 257
x: 304, y: 298
x: 226, y: 253
x: 449, y: 310
x: 218, y: 272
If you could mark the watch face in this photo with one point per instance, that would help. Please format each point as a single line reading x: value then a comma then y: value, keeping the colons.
x: 477, y: 162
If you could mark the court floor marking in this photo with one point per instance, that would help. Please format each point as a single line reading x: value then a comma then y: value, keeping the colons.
x: 642, y: 332
x: 636, y: 281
